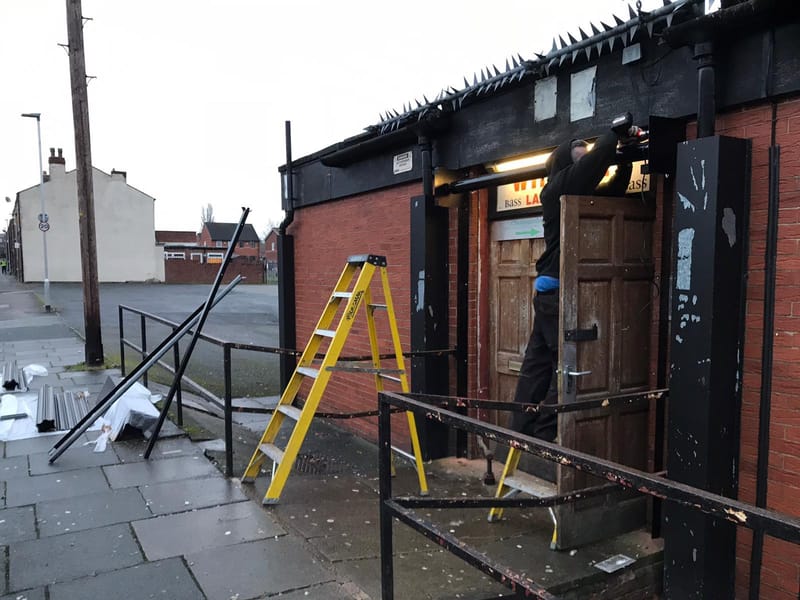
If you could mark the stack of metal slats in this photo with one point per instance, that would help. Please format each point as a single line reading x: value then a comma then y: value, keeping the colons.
x: 13, y: 378
x: 60, y: 412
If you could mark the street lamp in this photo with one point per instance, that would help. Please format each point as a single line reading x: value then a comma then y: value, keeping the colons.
x: 43, y: 224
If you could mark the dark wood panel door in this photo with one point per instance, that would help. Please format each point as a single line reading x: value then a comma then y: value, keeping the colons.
x: 606, y: 281
x: 513, y: 264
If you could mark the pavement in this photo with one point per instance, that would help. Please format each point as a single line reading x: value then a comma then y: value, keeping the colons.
x: 112, y: 525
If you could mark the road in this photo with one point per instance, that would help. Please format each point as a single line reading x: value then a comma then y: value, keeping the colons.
x: 249, y: 314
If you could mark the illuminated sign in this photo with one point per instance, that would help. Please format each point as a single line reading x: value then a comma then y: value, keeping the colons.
x: 523, y: 194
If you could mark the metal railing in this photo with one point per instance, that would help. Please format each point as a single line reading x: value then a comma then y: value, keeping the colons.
x: 224, y: 403
x: 781, y: 526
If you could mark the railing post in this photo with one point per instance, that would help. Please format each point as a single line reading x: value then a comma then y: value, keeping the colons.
x: 176, y: 353
x: 226, y: 350
x: 121, y: 343
x: 143, y: 328
x: 385, y: 490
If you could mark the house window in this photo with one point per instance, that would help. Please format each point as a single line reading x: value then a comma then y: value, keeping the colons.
x: 273, y: 246
x: 252, y: 244
x: 219, y: 244
x: 175, y: 255
x: 196, y: 256
x: 214, y: 258
x: 241, y: 244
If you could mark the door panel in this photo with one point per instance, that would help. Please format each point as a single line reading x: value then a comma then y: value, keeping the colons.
x: 513, y: 269
x: 606, y: 279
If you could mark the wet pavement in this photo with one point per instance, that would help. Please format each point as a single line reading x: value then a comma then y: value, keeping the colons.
x: 111, y: 524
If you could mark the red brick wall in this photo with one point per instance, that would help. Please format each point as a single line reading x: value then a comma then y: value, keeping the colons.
x: 324, y: 236
x: 780, y: 572
x: 190, y: 271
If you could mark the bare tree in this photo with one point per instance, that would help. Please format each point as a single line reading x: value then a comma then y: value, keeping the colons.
x: 206, y: 215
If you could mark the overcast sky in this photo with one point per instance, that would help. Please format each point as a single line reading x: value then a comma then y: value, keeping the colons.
x: 190, y: 96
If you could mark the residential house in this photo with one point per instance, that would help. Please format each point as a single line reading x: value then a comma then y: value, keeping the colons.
x: 124, y: 229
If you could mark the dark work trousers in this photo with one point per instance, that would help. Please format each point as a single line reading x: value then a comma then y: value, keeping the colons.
x: 537, y: 376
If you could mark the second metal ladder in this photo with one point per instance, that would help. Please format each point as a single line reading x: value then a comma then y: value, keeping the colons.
x: 283, y: 459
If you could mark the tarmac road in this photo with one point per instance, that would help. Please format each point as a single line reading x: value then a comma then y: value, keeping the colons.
x: 249, y: 314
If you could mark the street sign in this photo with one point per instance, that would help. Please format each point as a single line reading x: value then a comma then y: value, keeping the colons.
x: 44, y: 226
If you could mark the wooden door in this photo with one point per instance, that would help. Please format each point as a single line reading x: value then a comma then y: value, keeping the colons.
x: 606, y: 281
x: 513, y: 270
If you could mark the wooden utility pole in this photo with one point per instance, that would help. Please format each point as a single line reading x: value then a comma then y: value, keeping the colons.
x: 83, y: 160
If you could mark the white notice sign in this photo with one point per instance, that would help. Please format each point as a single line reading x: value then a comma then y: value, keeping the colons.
x: 402, y: 162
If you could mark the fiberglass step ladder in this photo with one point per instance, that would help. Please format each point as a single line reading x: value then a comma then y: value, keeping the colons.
x: 283, y: 459
x: 513, y: 482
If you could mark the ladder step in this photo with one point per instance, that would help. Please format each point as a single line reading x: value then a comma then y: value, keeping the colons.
x: 341, y: 294
x: 538, y: 488
x: 325, y: 332
x: 371, y: 370
x: 390, y: 377
x: 272, y: 452
x: 377, y: 306
x: 308, y: 372
x: 290, y: 411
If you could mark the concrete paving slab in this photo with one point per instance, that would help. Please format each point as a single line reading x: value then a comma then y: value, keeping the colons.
x: 262, y: 568
x: 40, y: 443
x: 194, y: 531
x: 157, y: 471
x: 168, y: 579
x: 53, y: 487
x: 305, y: 489
x: 17, y: 524
x: 71, y: 556
x: 87, y: 512
x: 13, y: 468
x: 35, y: 594
x: 327, y: 591
x: 133, y: 450
x: 190, y: 494
x: 434, y: 575
x: 77, y: 456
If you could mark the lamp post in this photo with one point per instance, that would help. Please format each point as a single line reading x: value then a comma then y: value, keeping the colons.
x: 43, y: 220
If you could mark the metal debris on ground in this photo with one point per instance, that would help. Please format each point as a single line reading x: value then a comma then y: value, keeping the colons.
x: 60, y: 412
x: 13, y: 377
x: 615, y: 563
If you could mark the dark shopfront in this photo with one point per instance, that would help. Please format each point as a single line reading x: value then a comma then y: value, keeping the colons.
x: 717, y: 241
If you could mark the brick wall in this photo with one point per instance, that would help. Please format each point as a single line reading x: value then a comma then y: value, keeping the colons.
x: 190, y: 271
x: 324, y: 236
x: 780, y: 572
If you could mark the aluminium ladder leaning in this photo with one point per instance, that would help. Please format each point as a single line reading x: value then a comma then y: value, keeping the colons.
x: 283, y: 459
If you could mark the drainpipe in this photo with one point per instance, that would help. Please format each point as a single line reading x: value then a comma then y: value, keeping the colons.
x: 287, y: 318
x: 706, y: 92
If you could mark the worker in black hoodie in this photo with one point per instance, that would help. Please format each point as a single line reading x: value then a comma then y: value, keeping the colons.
x: 571, y: 170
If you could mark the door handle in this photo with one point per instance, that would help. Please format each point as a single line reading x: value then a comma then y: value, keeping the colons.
x: 569, y: 378
x: 578, y: 373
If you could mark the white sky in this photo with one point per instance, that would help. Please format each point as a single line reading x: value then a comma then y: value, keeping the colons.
x: 191, y: 96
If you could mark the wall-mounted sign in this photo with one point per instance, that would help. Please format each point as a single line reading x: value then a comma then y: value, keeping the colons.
x: 518, y: 229
x: 639, y: 181
x: 523, y: 194
x: 402, y: 163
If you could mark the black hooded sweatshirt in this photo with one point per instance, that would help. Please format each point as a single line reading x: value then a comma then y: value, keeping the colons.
x: 575, y: 179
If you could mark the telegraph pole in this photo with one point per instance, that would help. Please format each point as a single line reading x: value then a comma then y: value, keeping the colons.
x: 83, y: 160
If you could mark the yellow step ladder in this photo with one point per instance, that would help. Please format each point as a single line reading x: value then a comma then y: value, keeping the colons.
x: 283, y: 459
x: 513, y: 482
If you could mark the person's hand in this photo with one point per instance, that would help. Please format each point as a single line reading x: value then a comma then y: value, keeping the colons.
x: 633, y: 135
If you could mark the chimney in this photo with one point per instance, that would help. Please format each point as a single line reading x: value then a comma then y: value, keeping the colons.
x: 56, y: 164
x: 118, y: 175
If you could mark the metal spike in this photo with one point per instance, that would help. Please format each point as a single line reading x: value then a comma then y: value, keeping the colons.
x: 547, y: 70
x: 632, y: 32
x: 497, y: 71
x: 419, y: 104
x: 497, y: 85
x: 575, y: 54
x: 572, y: 40
x: 424, y: 97
x: 555, y: 47
x: 623, y: 37
x: 632, y: 12
x: 456, y: 103
x: 562, y: 59
x: 514, y: 61
x: 563, y: 43
x: 475, y: 79
x: 595, y: 30
x: 667, y: 2
x: 466, y: 83
x: 618, y: 20
x: 669, y: 19
x: 583, y: 33
x: 521, y: 60
x: 606, y: 27
x: 599, y: 47
x: 539, y: 56
x: 588, y: 51
x: 650, y: 25
x: 508, y: 66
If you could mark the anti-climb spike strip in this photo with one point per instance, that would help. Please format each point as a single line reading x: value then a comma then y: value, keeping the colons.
x: 650, y: 25
x: 575, y: 54
x: 563, y: 43
x: 618, y: 20
x: 572, y: 40
x: 595, y: 30
x: 588, y: 51
x: 508, y: 66
x: 521, y: 60
x: 475, y: 79
x: 632, y: 12
x: 555, y: 46
x: 606, y: 27
x: 496, y: 70
x: 583, y: 33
